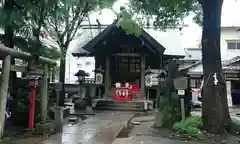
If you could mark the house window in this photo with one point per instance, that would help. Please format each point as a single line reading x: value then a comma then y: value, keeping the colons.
x: 88, y: 63
x: 195, y: 83
x: 233, y: 45
x: 79, y: 65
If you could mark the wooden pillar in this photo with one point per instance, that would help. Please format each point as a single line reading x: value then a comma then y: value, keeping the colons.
x: 4, y: 91
x: 53, y: 75
x: 142, y: 76
x: 107, y: 72
x: 44, y: 95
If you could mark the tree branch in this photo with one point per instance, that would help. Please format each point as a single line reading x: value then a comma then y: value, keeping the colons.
x: 74, y: 20
x: 77, y: 23
x: 200, y: 1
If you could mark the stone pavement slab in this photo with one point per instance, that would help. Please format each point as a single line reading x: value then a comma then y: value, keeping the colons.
x: 149, y: 140
x: 99, y: 129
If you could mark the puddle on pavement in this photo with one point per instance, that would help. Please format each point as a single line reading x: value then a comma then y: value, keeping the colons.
x: 138, y: 124
x: 124, y: 133
x: 72, y: 120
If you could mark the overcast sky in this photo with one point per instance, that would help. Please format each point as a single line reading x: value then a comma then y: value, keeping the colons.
x: 190, y: 36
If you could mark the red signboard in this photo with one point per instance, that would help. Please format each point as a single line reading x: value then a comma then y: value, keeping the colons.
x: 122, y: 94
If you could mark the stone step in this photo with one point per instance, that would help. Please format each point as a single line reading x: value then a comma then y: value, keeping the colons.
x: 120, y: 109
x: 123, y: 105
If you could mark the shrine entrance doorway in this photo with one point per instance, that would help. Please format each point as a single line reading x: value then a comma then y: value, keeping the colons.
x: 126, y: 69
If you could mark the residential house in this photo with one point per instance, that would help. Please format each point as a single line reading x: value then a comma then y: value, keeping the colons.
x: 230, y: 54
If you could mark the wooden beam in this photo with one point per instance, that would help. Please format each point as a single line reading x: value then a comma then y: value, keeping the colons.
x: 22, y: 69
x: 24, y: 55
x: 127, y: 54
x: 18, y: 68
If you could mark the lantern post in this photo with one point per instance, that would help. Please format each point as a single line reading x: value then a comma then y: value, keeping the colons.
x: 99, y: 79
x: 33, y: 83
x: 81, y: 79
x: 162, y: 77
x: 34, y: 73
x: 148, y: 80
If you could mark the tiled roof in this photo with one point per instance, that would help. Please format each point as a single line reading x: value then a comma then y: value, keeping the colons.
x: 193, y: 54
x: 185, y: 67
x: 232, y: 64
x: 229, y: 65
x: 231, y: 61
x: 164, y: 38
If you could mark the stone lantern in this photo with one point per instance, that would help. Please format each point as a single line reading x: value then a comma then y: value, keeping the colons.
x: 99, y: 80
x: 81, y: 76
x: 81, y: 79
x: 148, y: 77
x: 148, y: 80
x: 34, y: 74
x: 162, y: 76
x: 99, y: 76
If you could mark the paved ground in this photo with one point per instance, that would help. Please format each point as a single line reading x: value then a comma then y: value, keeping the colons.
x: 141, y: 134
x: 89, y: 131
x: 149, y: 140
x: 99, y: 129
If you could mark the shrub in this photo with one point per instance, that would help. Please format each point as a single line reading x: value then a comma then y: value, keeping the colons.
x: 190, y: 128
x: 236, y: 121
x: 19, y: 105
x: 170, y: 108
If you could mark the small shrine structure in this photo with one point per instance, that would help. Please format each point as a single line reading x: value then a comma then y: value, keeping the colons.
x: 124, y: 59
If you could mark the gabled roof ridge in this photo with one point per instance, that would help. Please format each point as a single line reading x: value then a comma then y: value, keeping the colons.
x: 152, y: 42
x: 233, y: 60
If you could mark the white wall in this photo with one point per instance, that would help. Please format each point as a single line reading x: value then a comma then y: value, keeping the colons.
x: 229, y: 33
x: 74, y: 64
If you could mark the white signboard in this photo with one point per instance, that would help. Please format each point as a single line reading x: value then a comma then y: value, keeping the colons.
x: 181, y: 92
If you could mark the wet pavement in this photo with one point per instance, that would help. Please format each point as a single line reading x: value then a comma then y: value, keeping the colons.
x: 142, y: 134
x: 145, y: 133
x: 149, y: 140
x: 101, y: 128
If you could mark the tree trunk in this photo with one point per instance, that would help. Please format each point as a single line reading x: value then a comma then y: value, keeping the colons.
x: 215, y: 113
x: 62, y: 80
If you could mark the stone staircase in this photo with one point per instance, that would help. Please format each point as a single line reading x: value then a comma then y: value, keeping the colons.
x: 137, y: 103
x: 134, y: 105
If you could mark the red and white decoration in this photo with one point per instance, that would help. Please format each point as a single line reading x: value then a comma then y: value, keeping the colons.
x: 122, y: 92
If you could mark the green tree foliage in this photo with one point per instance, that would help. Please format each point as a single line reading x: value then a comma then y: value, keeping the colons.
x: 66, y: 17
x: 21, y: 21
x: 64, y: 21
x: 169, y: 14
x: 129, y: 25
x: 25, y: 18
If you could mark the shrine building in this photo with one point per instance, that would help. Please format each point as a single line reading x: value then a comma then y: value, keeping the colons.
x: 125, y: 59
